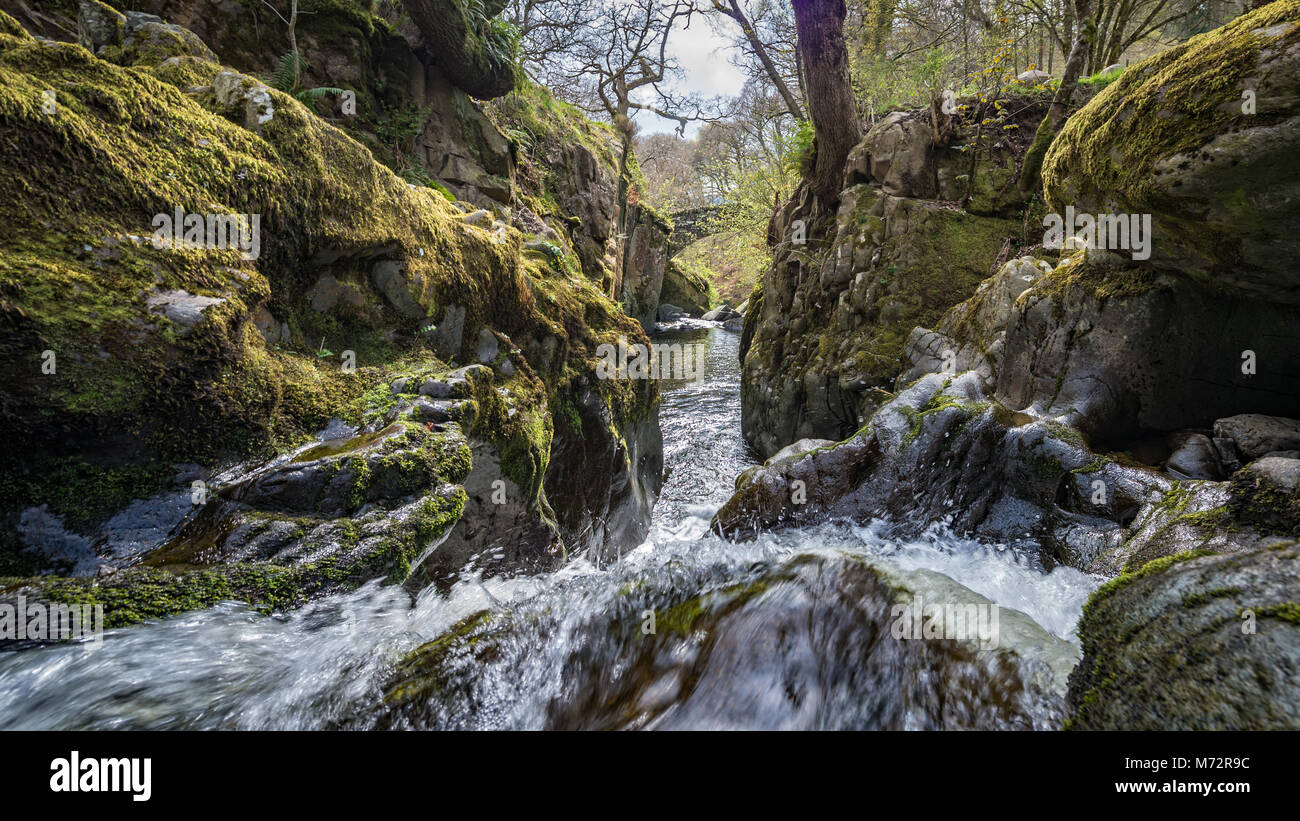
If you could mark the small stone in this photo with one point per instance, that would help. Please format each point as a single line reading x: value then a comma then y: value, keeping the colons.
x: 481, y: 218
x: 435, y: 388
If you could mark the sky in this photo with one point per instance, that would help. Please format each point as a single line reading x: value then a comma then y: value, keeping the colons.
x: 705, y: 60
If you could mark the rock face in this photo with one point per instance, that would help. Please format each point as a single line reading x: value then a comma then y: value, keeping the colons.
x: 400, y: 385
x: 1084, y: 404
x: 684, y: 288
x: 1214, y: 163
x: 971, y: 336
x: 643, y: 258
x: 833, y: 319
x: 1122, y: 352
x: 921, y: 222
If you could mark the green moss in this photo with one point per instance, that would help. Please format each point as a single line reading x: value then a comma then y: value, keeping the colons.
x: 1149, y: 569
x: 1169, y: 104
x: 937, y: 403
x: 84, y: 494
x: 1263, y: 506
x: 687, y: 616
x: 1287, y: 611
x: 1074, y: 277
x: 1205, y: 596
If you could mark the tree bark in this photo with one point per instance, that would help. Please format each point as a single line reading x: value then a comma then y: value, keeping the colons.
x: 819, y: 26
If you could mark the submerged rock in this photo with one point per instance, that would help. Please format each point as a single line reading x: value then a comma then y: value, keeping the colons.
x: 808, y: 644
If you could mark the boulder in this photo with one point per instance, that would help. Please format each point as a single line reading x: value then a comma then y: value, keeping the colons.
x: 1214, y: 164
x: 1255, y: 434
x: 970, y: 335
x: 668, y: 313
x: 1033, y: 77
x: 1193, y: 642
x: 1120, y: 353
x: 686, y: 288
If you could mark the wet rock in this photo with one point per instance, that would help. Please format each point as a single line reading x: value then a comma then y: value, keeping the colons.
x: 436, y: 412
x: 1193, y: 643
x: 744, y: 655
x: 645, y: 259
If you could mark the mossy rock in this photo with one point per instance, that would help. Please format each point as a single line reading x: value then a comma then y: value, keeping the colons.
x: 1193, y: 642
x: 1204, y: 137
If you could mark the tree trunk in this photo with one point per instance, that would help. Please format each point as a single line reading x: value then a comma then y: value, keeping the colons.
x: 819, y: 25
x: 293, y: 44
x: 1032, y: 167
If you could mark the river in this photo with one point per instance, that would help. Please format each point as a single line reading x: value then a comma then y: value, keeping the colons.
x: 579, y: 648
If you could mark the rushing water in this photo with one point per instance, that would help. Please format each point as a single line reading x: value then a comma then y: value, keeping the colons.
x: 570, y: 649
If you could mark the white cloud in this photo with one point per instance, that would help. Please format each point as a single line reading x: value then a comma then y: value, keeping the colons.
x: 704, y: 56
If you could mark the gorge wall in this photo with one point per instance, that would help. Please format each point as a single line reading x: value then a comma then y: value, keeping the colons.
x: 398, y: 377
x: 1132, y: 415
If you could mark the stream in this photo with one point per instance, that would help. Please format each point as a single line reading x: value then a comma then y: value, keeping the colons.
x: 789, y: 631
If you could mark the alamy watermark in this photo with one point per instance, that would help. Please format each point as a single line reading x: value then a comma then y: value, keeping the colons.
x: 962, y: 622
x: 1110, y: 232
x: 45, y: 621
x: 653, y: 361
x: 212, y: 232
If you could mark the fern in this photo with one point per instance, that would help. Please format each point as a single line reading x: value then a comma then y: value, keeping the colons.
x: 311, y: 95
x: 282, y: 78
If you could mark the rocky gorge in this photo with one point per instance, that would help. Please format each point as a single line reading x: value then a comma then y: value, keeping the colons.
x: 346, y: 404
x: 1134, y: 419
x: 367, y: 473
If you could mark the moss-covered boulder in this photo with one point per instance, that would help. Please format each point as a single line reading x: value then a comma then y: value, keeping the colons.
x: 1205, y: 138
x: 686, y: 287
x: 1193, y: 642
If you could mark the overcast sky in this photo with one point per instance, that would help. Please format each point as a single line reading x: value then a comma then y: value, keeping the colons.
x: 705, y: 58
